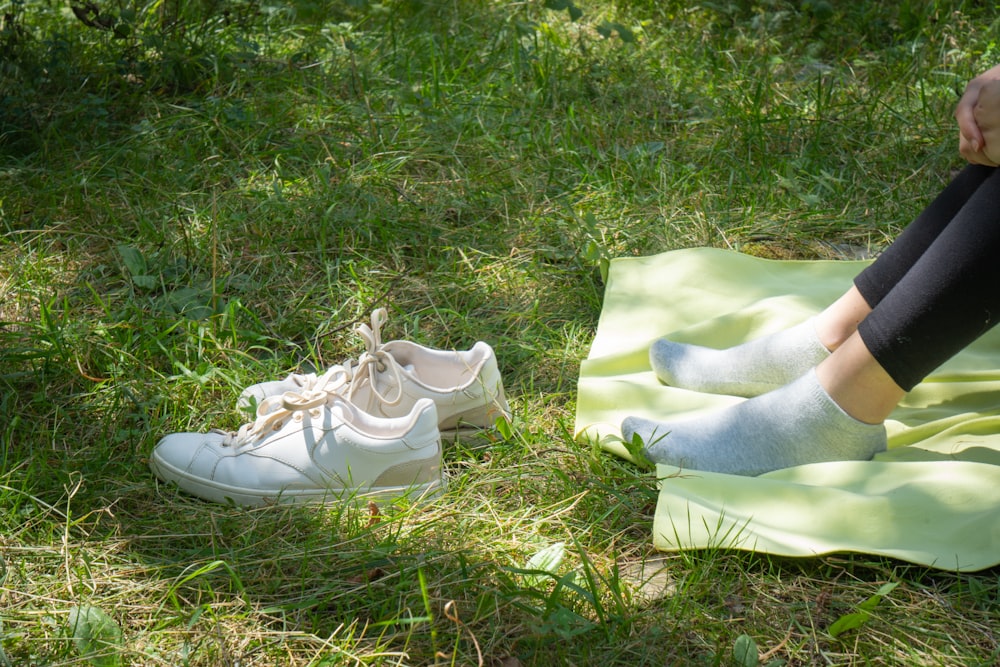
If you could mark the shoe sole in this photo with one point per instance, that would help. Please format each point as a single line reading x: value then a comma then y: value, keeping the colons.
x: 232, y: 495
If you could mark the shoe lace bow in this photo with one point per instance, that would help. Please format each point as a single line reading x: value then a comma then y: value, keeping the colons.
x: 341, y: 380
x: 346, y: 378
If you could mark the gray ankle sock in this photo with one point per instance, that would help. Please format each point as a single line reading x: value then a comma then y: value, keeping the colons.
x: 796, y: 424
x: 749, y: 369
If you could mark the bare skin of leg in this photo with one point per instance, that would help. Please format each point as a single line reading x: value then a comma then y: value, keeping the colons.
x: 852, y: 377
x: 857, y: 383
x: 840, y: 320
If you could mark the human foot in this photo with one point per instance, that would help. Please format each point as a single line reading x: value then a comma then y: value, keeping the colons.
x: 794, y: 425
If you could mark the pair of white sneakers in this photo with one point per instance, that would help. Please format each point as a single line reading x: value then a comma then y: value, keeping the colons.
x: 368, y: 428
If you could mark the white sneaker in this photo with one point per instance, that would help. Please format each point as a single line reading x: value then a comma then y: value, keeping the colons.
x: 388, y: 379
x: 308, y: 447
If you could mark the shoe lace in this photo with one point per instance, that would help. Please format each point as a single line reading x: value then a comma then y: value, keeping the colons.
x: 344, y: 379
x: 340, y: 381
x: 274, y: 411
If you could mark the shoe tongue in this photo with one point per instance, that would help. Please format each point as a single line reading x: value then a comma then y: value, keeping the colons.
x: 387, y: 378
x: 387, y: 384
x: 365, y: 394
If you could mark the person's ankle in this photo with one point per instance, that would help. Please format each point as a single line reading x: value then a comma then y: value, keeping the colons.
x: 858, y: 384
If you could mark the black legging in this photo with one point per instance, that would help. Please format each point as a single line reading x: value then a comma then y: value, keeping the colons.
x: 937, y: 287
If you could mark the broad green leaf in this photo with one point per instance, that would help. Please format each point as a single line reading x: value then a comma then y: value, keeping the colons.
x: 857, y: 619
x: 604, y: 264
x: 566, y: 623
x: 745, y: 652
x: 885, y: 589
x: 872, y: 602
x: 637, y: 450
x: 607, y: 29
x: 574, y: 11
x: 848, y: 622
x: 191, y: 302
x: 504, y: 428
x: 547, y: 560
x: 133, y: 259
x: 96, y: 636
x: 145, y: 282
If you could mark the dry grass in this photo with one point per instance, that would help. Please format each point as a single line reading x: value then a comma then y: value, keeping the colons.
x: 470, y: 166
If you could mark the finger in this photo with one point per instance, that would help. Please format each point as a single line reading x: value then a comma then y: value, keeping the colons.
x: 974, y: 156
x: 967, y: 151
x: 966, y: 117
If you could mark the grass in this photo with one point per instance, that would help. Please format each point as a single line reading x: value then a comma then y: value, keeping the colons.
x: 185, y: 212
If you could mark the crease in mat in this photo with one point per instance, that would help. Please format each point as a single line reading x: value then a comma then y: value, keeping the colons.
x: 933, y: 498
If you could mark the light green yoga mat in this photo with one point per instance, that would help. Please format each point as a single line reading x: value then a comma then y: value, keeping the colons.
x: 932, y: 499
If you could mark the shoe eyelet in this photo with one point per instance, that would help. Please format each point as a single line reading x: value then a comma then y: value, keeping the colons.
x: 277, y: 426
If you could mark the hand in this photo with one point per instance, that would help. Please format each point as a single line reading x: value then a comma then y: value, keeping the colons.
x: 970, y: 138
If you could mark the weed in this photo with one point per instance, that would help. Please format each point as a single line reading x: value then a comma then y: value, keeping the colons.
x: 206, y: 195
